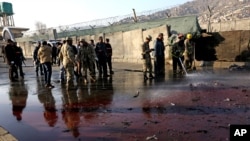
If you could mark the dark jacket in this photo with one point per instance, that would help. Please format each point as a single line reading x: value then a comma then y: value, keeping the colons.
x: 109, y: 49
x: 35, y: 53
x: 159, y: 48
x: 100, y: 50
x: 10, y: 53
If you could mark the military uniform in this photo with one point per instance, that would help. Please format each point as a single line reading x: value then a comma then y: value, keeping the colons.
x: 67, y: 56
x: 147, y: 64
x: 188, y: 54
x: 177, y: 50
x: 86, y: 56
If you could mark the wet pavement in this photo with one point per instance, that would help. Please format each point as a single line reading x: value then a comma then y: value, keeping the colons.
x: 198, y: 106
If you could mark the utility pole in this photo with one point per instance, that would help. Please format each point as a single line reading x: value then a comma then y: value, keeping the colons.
x: 209, y: 19
x: 135, y: 17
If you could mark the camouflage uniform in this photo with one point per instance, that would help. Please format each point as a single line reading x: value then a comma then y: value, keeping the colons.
x: 86, y: 56
x: 147, y: 64
x: 177, y: 48
x: 67, y: 56
x: 188, y: 54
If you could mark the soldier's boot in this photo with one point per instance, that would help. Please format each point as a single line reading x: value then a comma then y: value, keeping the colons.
x: 151, y: 76
x: 92, y: 78
x: 145, y: 76
x: 85, y: 80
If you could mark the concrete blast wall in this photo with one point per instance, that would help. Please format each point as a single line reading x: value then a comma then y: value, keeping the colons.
x: 127, y: 45
x: 229, y: 26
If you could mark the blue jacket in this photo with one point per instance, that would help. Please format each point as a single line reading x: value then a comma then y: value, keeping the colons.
x: 159, y: 48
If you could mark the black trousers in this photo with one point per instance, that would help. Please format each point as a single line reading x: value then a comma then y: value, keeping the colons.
x: 20, y: 68
x: 12, y: 70
x: 102, y: 66
x: 176, y: 62
x: 47, y: 72
x: 159, y: 65
x: 109, y: 61
x: 39, y: 67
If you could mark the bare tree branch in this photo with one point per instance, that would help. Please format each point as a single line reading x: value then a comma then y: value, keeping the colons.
x: 41, y: 27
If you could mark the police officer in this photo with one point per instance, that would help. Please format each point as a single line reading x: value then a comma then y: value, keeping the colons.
x: 147, y: 64
x: 67, y: 55
x: 189, y: 52
x: 86, y: 57
x: 109, y: 56
x: 159, y: 56
x: 101, y: 53
x: 10, y: 51
x: 19, y: 58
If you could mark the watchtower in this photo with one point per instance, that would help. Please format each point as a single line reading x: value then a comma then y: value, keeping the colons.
x: 6, y: 14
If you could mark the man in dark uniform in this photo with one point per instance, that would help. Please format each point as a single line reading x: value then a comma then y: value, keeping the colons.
x: 19, y: 58
x: 102, y: 57
x: 10, y: 56
x: 109, y: 56
x: 159, y: 56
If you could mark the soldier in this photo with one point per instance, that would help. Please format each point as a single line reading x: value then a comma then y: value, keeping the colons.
x: 159, y: 56
x: 58, y: 45
x: 177, y: 43
x: 62, y: 69
x: 10, y: 51
x: 102, y: 57
x: 189, y: 52
x: 95, y: 63
x: 86, y: 57
x: 3, y: 53
x: 109, y: 56
x: 67, y: 56
x: 19, y: 58
x: 147, y: 64
x: 36, y: 60
x: 54, y: 53
x: 45, y: 56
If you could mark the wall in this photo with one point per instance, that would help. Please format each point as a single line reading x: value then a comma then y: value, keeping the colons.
x: 229, y: 26
x: 127, y: 45
x: 234, y: 45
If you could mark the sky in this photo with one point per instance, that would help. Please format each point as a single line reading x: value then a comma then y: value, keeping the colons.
x: 56, y: 13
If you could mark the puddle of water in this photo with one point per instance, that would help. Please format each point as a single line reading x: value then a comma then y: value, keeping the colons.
x: 108, y: 109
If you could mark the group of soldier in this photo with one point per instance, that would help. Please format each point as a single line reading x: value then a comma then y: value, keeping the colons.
x: 84, y: 58
x: 182, y: 52
x: 79, y: 60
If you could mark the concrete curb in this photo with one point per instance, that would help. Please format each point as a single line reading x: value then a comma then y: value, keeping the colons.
x: 6, y: 136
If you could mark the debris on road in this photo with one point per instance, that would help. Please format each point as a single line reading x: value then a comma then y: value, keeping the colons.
x: 137, y: 94
x: 244, y: 90
x: 235, y: 67
x: 227, y: 100
x: 152, y: 138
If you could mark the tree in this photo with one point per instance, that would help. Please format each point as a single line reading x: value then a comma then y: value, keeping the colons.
x: 41, y: 27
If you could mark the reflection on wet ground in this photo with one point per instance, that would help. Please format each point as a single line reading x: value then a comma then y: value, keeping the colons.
x: 121, y: 107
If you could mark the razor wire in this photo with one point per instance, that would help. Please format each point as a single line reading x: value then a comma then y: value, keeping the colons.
x: 110, y: 21
x: 144, y: 16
